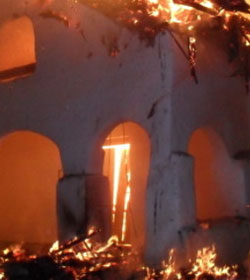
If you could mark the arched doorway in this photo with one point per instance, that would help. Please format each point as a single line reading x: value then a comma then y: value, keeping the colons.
x: 30, y: 167
x: 126, y: 164
x: 218, y: 179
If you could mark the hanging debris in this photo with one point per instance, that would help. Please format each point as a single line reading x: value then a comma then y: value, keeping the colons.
x: 183, y: 17
x: 192, y: 57
x: 58, y: 16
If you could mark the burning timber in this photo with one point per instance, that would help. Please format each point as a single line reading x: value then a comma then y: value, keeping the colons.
x: 84, y: 258
x: 184, y: 17
x: 184, y: 20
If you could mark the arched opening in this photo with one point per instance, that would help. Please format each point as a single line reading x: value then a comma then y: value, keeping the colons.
x: 126, y: 164
x: 30, y: 167
x: 218, y: 179
x: 17, y: 49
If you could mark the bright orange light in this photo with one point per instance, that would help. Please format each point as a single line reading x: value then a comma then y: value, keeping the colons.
x: 54, y: 247
x: 205, y: 263
x: 118, y: 155
x: 207, y: 4
x: 17, y: 49
x: 125, y: 211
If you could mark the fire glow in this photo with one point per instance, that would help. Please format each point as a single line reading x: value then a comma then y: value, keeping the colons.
x: 85, y: 259
x: 185, y: 21
x: 121, y: 153
x: 186, y: 13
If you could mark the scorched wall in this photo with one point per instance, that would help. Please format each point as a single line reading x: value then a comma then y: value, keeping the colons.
x: 92, y: 74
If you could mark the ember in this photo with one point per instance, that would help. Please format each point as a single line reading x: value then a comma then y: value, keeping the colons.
x: 79, y: 258
x: 84, y: 258
x: 183, y: 17
x: 154, y: 16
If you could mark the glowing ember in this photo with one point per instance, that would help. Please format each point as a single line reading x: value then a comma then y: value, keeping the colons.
x: 84, y: 258
x: 186, y: 19
x: 203, y: 267
x: 184, y: 12
x: 205, y: 263
x: 54, y: 247
x: 169, y: 267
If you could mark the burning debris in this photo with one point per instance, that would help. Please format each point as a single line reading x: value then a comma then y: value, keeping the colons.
x: 79, y: 258
x: 187, y: 19
x: 150, y: 17
x: 60, y: 17
x: 85, y: 259
x: 184, y: 17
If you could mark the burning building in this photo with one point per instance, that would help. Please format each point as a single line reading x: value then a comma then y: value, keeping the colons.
x: 136, y: 125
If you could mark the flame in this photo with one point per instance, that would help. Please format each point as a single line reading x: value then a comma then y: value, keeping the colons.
x: 93, y: 257
x: 125, y: 210
x: 185, y: 13
x: 54, y: 247
x: 207, y: 4
x: 112, y: 240
x: 202, y: 267
x: 169, y: 267
x: 205, y: 263
x: 119, y: 151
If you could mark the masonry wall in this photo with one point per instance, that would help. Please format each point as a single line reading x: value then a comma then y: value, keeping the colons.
x: 92, y: 74
x: 79, y: 92
x: 219, y: 103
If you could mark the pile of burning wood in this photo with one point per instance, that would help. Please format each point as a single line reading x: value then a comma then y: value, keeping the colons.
x: 83, y: 258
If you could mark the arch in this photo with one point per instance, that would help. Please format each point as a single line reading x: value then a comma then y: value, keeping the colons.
x: 17, y: 49
x: 128, y: 145
x: 30, y: 167
x: 218, y: 179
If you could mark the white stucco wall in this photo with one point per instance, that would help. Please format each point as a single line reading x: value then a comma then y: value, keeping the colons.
x: 75, y: 99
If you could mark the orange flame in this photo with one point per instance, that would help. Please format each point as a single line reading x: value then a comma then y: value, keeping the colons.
x: 119, y: 150
x: 94, y: 256
x: 54, y: 247
x: 205, y: 263
x: 125, y: 210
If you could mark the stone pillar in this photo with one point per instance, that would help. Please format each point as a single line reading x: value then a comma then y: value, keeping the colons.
x: 246, y: 170
x: 83, y: 201
x: 183, y: 189
x: 172, y: 206
x: 243, y: 159
x: 98, y: 204
x: 71, y: 206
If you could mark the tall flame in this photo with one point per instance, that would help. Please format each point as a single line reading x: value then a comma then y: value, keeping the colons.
x: 205, y: 263
x: 121, y: 152
x: 125, y: 210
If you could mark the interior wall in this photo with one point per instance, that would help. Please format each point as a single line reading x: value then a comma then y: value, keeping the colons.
x: 30, y: 167
x: 139, y: 160
x: 218, y: 179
